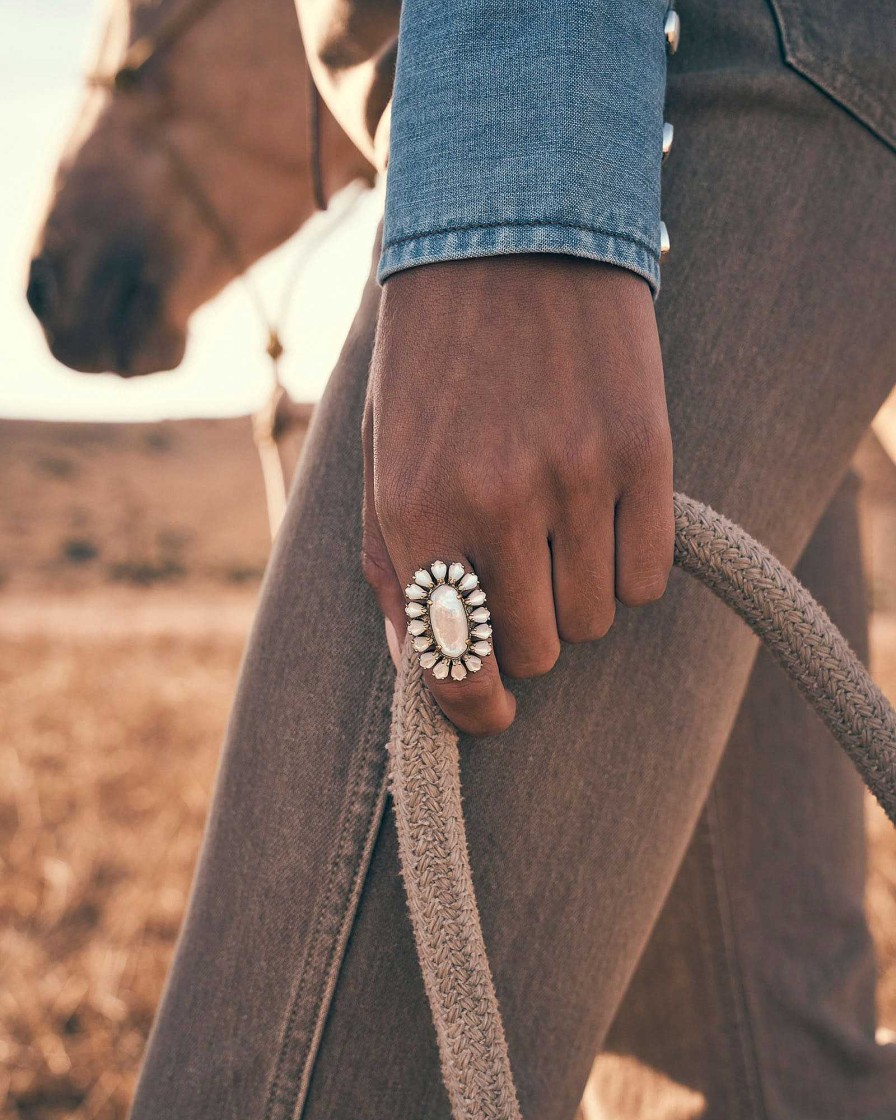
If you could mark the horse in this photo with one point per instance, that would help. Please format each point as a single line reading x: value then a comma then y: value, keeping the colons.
x: 200, y: 146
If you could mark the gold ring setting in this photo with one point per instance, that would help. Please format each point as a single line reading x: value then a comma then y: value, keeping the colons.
x: 448, y: 620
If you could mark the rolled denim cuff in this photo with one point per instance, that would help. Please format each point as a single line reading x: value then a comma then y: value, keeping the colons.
x: 519, y: 128
x: 493, y: 241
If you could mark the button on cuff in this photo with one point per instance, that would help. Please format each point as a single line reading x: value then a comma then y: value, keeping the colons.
x: 665, y: 244
x: 672, y: 30
x: 668, y: 135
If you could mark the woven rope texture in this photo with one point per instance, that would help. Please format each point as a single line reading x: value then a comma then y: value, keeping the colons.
x: 425, y: 777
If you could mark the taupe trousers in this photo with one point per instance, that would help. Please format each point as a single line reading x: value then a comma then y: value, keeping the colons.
x: 296, y: 992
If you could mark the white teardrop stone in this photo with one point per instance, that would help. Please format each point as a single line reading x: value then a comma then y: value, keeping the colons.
x: 482, y: 648
x: 423, y: 577
x: 455, y: 572
x: 413, y: 610
x: 429, y: 659
x: 422, y: 644
x: 448, y: 620
x: 482, y: 631
x: 480, y: 615
x: 439, y: 568
x: 458, y: 672
x: 416, y: 627
x: 441, y: 670
x: 415, y: 592
x: 472, y: 662
x: 468, y: 582
x: 476, y: 599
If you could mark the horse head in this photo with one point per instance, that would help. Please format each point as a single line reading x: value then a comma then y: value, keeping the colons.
x: 192, y: 156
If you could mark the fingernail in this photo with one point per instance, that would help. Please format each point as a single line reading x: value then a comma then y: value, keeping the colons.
x: 393, y: 643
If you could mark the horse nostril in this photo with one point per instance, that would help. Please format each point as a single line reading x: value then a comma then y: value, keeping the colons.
x: 42, y: 290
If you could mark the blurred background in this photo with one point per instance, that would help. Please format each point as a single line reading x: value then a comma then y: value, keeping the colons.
x: 133, y: 536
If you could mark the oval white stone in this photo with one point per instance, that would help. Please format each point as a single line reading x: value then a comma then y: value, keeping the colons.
x: 448, y: 620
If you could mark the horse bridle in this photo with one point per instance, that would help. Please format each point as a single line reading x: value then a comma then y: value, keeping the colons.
x: 270, y: 422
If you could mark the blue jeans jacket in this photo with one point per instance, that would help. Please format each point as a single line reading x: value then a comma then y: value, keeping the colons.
x: 520, y: 128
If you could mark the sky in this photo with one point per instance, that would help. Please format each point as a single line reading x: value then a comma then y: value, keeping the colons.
x: 43, y: 48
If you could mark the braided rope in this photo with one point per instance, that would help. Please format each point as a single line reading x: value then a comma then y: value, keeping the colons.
x: 425, y: 777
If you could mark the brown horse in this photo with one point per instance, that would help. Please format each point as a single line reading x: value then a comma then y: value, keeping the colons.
x: 193, y: 155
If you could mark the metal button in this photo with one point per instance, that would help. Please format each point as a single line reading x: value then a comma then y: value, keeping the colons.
x: 668, y: 134
x: 665, y: 245
x: 672, y: 30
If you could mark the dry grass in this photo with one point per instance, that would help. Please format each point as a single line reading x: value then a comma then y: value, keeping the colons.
x: 113, y: 700
x: 108, y: 758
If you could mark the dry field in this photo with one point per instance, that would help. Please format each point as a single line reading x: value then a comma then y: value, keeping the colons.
x: 129, y: 560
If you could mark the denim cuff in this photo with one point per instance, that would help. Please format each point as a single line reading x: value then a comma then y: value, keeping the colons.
x: 520, y: 128
x: 528, y: 237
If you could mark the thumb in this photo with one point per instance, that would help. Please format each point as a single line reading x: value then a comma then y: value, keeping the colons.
x: 376, y: 563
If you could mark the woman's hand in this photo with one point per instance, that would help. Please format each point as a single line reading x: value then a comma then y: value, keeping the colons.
x: 516, y: 421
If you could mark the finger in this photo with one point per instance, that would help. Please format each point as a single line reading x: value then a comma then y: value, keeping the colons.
x: 376, y: 563
x: 645, y: 538
x: 478, y: 704
x: 517, y: 576
x: 582, y: 549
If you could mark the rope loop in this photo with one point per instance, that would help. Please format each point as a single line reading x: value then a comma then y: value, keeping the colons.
x: 425, y: 780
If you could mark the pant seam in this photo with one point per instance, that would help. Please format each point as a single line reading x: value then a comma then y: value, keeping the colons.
x: 288, y: 1092
x: 746, y: 1040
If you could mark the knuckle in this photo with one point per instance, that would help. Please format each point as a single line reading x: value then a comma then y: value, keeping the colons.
x: 536, y: 663
x: 639, y: 590
x: 491, y: 498
x: 584, y: 628
x: 473, y: 705
x: 399, y: 509
x: 576, y: 465
x: 644, y: 443
x: 495, y: 486
x: 492, y: 724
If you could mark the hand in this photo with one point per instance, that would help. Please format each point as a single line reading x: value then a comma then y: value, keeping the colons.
x: 516, y: 421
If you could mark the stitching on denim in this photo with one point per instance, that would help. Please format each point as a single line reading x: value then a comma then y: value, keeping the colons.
x: 865, y: 103
x: 281, y: 1078
x: 634, y: 239
x: 748, y: 1049
x: 800, y: 56
x: 337, y: 956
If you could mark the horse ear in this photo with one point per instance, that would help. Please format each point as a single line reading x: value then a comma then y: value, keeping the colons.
x: 364, y: 50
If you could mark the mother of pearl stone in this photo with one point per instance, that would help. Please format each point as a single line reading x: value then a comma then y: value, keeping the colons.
x: 448, y: 620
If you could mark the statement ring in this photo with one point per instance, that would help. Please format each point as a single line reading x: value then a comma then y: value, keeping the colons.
x: 448, y: 620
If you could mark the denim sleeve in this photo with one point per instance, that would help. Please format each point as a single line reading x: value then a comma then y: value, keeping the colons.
x: 527, y: 128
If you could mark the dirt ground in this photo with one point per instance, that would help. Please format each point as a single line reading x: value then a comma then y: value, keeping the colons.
x: 130, y: 559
